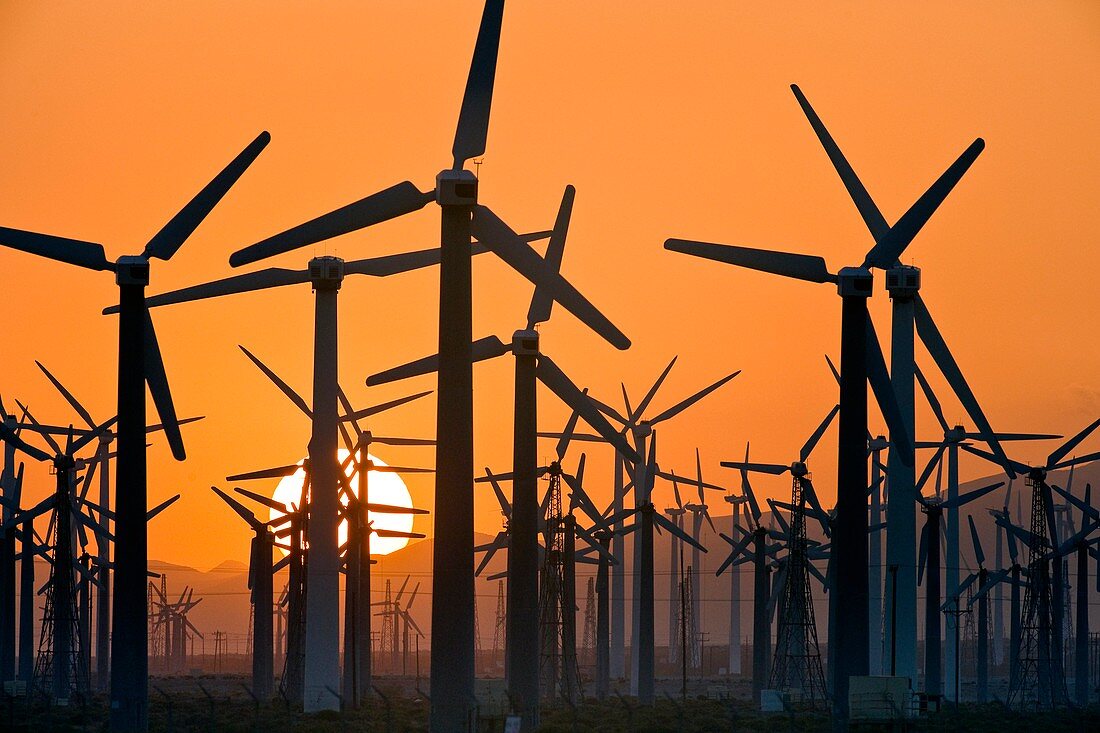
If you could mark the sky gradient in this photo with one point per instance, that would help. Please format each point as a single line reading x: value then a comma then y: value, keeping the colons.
x: 668, y: 122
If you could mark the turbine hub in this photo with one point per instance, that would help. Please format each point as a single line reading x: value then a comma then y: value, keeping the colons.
x: 798, y: 469
x: 131, y: 270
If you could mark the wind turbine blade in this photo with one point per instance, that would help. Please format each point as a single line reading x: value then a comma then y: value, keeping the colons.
x: 393, y: 509
x: 1011, y: 467
x: 91, y: 435
x: 374, y: 410
x: 473, y: 118
x: 933, y: 402
x: 832, y: 368
x: 683, y: 405
x: 168, y: 240
x: 396, y: 533
x: 45, y: 433
x: 273, y: 277
x: 489, y: 347
x: 1083, y: 506
x: 922, y: 553
x: 885, y: 396
x: 390, y: 203
x: 889, y: 247
x: 278, y: 472
x: 293, y: 396
x: 1070, y: 444
x: 505, y: 506
x: 157, y: 380
x: 242, y: 511
x: 937, y: 347
x: 398, y: 263
x: 384, y: 440
x: 71, y: 251
x: 979, y: 556
x: 872, y: 217
x: 773, y: 468
x: 555, y: 379
x: 73, y: 402
x: 964, y: 499
x: 542, y: 301
x: 634, y: 415
x: 161, y: 507
x: 810, y: 444
x: 958, y: 592
x: 8, y: 436
x: 491, y: 231
x: 659, y: 519
x: 567, y: 435
x: 801, y: 267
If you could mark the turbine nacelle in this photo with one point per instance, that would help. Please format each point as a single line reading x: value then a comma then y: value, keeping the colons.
x: 879, y: 442
x: 132, y: 270
x: 799, y: 469
x: 456, y: 188
x: 326, y: 273
x: 525, y: 342
x: 854, y: 282
x: 903, y: 281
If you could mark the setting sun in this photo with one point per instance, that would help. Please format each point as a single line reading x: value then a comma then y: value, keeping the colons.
x: 384, y: 488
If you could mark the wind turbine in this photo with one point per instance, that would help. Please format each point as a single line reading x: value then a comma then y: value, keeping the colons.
x: 735, y: 502
x: 456, y: 192
x: 676, y: 516
x: 758, y: 556
x: 908, y: 310
x: 639, y: 428
x: 861, y: 359
x: 260, y: 585
x: 1040, y: 681
x: 647, y: 517
x: 1080, y: 543
x: 325, y: 275
x: 699, y: 512
x: 103, y: 559
x: 930, y: 558
x: 953, y: 438
x: 531, y: 366
x: 139, y: 363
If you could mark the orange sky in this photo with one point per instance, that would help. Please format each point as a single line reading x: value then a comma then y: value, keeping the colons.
x: 669, y: 123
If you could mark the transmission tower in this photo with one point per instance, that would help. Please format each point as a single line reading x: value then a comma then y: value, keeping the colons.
x: 797, y: 667
x: 1039, y: 683
x: 388, y: 640
x: 557, y: 611
x: 60, y: 669
x: 588, y: 643
x: 477, y: 634
x: 499, y: 627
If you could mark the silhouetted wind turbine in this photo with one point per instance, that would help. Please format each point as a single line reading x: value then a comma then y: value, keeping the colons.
x: 908, y: 308
x: 531, y: 366
x: 325, y: 275
x: 861, y: 359
x: 139, y: 362
x: 452, y: 648
x: 953, y: 437
x: 260, y: 585
x: 103, y: 560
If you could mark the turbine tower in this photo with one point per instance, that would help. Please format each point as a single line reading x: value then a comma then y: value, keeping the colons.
x: 139, y: 363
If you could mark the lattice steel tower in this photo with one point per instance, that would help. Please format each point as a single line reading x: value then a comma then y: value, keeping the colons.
x: 1039, y: 682
x: 557, y: 612
x: 797, y: 666
x: 61, y: 669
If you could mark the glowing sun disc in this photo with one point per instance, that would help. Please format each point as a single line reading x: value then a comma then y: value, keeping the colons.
x: 383, y: 488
